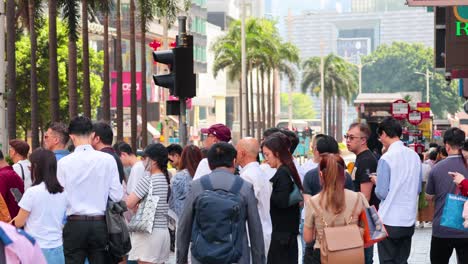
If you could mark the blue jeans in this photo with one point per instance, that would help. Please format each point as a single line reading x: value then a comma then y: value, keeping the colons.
x: 54, y: 255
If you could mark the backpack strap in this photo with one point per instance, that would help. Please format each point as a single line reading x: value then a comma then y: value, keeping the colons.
x: 237, y: 185
x: 319, y: 212
x: 350, y: 218
x: 206, y: 183
x: 22, y: 170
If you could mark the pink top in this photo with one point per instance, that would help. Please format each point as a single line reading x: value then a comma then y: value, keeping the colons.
x: 19, y: 248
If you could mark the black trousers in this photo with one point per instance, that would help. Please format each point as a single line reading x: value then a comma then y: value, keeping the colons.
x: 85, y: 239
x: 283, y: 248
x: 442, y: 249
x: 311, y: 255
x: 397, y: 247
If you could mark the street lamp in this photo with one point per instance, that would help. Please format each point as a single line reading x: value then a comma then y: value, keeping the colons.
x: 428, y: 75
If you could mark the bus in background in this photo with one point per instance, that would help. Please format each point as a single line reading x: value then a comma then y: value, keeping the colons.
x: 301, y: 125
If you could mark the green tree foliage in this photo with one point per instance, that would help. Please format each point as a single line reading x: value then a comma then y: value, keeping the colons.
x: 23, y: 75
x: 303, y: 105
x: 392, y: 68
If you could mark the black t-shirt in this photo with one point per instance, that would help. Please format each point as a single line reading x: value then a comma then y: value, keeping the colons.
x: 366, y: 163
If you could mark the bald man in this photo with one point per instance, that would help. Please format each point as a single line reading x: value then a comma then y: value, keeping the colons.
x: 247, y: 151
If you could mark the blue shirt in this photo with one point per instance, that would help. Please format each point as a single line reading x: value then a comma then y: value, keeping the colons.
x: 61, y: 153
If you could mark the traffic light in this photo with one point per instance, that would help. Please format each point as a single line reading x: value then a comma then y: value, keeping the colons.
x: 181, y: 79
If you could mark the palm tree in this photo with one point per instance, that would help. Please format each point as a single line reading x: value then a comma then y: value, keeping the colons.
x: 34, y: 92
x: 105, y: 7
x: 11, y: 68
x: 118, y: 61
x: 340, y: 82
x: 53, y: 70
x: 71, y: 14
x: 146, y: 15
x: 86, y: 83
x: 133, y: 90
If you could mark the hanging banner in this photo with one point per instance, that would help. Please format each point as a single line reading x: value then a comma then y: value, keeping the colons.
x: 425, y: 109
x: 400, y: 109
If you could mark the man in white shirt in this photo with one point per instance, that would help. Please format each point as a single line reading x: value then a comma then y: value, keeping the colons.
x: 19, y: 150
x: 398, y: 183
x: 214, y: 134
x: 89, y: 178
x: 247, y: 152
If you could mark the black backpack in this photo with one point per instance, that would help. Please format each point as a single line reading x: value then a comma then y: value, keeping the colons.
x: 117, y: 230
x: 219, y: 224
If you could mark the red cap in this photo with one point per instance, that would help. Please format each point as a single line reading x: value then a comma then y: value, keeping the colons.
x: 220, y: 131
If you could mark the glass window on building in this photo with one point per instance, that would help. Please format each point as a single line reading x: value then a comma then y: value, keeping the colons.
x: 202, y: 113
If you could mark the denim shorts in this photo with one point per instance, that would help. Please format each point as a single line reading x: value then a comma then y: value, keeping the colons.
x: 54, y: 255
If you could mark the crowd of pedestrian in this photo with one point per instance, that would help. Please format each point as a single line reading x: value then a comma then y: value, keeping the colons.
x: 247, y: 202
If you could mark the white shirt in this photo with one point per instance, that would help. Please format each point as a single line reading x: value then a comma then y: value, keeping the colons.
x: 202, y: 169
x: 90, y: 177
x: 24, y: 174
x: 309, y: 165
x: 46, y: 213
x: 262, y: 188
x: 136, y: 173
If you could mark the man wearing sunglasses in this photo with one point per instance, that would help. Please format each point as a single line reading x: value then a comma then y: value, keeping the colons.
x: 365, y: 164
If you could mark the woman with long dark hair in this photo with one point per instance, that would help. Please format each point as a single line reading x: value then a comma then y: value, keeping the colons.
x: 154, y: 247
x: 180, y: 183
x: 284, y: 217
x: 336, y: 204
x: 43, y: 206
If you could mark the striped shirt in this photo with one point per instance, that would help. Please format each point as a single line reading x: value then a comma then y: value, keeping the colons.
x: 160, y: 189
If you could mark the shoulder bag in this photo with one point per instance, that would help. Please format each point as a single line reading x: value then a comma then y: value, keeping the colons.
x: 143, y: 220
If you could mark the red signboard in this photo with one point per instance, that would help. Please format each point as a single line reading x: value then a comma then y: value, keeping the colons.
x: 400, y: 109
x: 425, y: 109
x: 436, y: 2
x: 414, y: 117
x: 126, y: 87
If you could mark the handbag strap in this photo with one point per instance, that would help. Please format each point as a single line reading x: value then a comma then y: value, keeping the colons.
x: 150, y: 189
x: 354, y: 211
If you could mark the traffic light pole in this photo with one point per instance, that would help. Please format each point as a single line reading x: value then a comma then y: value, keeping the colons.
x: 182, y: 41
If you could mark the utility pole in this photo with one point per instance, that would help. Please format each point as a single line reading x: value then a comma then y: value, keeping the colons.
x: 290, y: 90
x: 427, y: 85
x: 182, y: 41
x: 322, y: 88
x: 3, y: 128
x: 428, y: 75
x: 244, y: 110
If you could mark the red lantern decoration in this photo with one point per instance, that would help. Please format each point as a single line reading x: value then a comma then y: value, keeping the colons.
x: 155, y: 44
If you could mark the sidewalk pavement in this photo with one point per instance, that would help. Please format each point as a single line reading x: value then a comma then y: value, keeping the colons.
x: 420, y: 249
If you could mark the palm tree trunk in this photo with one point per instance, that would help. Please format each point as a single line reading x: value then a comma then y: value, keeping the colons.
x: 119, y: 75
x: 258, y: 105
x: 269, y: 101
x: 53, y: 66
x: 144, y: 98
x: 105, y: 89
x: 34, y: 95
x: 11, y: 68
x: 263, y: 102
x: 72, y: 78
x: 339, y: 120
x: 252, y: 114
x: 86, y: 88
x: 241, y: 117
x: 133, y: 90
